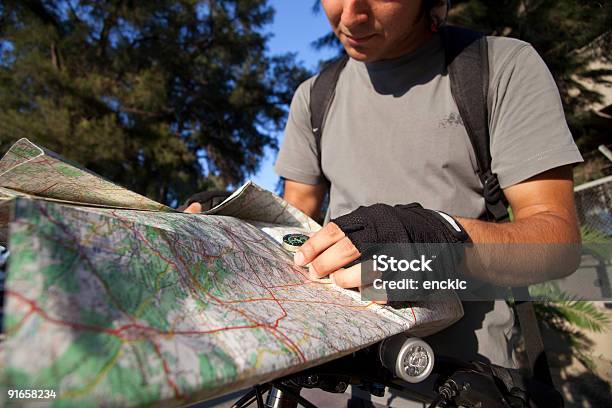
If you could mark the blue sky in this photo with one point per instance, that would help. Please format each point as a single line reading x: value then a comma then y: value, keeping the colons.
x: 295, y: 26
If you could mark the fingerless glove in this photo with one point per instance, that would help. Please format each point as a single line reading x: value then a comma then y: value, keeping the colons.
x: 407, y: 232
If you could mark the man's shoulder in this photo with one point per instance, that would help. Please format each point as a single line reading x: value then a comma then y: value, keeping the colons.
x: 501, y: 43
x: 504, y: 51
x: 306, y: 86
x: 301, y: 96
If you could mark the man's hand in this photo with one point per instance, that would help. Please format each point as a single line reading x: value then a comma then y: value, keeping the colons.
x: 360, y: 234
x: 204, y: 201
x: 194, y: 208
x: 327, y: 252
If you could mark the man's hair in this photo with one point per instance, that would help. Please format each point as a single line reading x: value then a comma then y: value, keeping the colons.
x: 437, y: 17
x: 428, y: 5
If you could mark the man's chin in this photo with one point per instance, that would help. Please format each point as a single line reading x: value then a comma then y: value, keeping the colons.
x: 361, y: 55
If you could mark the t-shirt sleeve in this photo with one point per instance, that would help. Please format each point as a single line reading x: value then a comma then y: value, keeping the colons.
x: 298, y: 159
x: 529, y: 134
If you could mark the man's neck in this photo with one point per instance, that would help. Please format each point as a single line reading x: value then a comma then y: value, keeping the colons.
x: 413, y: 41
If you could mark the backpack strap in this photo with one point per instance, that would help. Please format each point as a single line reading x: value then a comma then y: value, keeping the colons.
x: 467, y: 61
x: 321, y: 95
x: 532, y: 336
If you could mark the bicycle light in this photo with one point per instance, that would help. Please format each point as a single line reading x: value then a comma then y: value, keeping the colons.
x: 409, y: 358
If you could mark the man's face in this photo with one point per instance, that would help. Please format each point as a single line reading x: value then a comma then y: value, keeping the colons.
x: 372, y: 30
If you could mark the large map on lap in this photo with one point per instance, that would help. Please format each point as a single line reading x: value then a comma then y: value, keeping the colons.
x: 118, y: 304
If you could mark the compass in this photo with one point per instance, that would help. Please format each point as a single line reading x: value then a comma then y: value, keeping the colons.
x: 293, y: 242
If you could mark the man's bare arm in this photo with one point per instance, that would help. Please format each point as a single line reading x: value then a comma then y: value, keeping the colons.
x: 543, y: 209
x: 544, y: 228
x: 541, y: 243
x: 305, y: 197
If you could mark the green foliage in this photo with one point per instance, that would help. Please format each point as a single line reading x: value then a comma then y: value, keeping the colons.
x: 597, y: 242
x: 569, y: 310
x: 570, y: 316
x: 593, y: 236
x: 580, y: 314
x: 164, y: 97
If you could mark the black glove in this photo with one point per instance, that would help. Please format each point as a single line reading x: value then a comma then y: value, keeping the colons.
x: 410, y: 223
x: 207, y: 199
x: 407, y: 232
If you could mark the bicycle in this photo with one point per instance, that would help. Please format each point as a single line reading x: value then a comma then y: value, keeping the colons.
x: 404, y: 364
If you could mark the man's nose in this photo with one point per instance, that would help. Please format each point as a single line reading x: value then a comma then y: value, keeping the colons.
x: 355, y: 13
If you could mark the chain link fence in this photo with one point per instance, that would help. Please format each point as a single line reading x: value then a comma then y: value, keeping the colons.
x: 594, y: 198
x: 594, y: 205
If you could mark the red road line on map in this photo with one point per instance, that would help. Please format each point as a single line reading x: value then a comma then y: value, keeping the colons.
x: 309, y: 282
x: 117, y: 331
x: 276, y: 323
x: 170, y: 262
x: 230, y: 236
x: 183, y: 332
x: 47, y: 188
x: 22, y: 321
x: 44, y: 314
x: 172, y: 384
x: 284, y: 315
x: 218, y: 300
x: 273, y: 330
x: 76, y: 243
x: 275, y: 299
x: 271, y: 294
x: 314, y: 337
x: 283, y: 338
x: 289, y: 343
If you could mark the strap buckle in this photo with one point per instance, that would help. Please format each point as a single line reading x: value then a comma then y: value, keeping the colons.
x: 492, y: 191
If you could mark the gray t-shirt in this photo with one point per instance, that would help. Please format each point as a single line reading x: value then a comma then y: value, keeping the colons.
x: 394, y: 135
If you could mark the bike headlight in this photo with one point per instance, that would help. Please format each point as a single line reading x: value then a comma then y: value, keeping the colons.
x: 409, y: 358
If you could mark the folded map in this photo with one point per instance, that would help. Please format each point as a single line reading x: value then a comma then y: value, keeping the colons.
x: 112, y: 299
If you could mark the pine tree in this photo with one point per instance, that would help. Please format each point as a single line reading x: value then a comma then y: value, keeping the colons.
x: 165, y: 98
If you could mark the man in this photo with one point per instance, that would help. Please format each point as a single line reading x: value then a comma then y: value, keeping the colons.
x: 393, y: 135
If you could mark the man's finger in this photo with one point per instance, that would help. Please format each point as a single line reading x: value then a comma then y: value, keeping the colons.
x: 347, y: 277
x: 194, y: 208
x: 335, y: 257
x: 355, y: 276
x: 319, y: 242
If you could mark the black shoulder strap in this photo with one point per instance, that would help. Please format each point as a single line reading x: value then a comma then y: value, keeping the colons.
x: 467, y: 61
x: 532, y: 336
x: 321, y: 95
